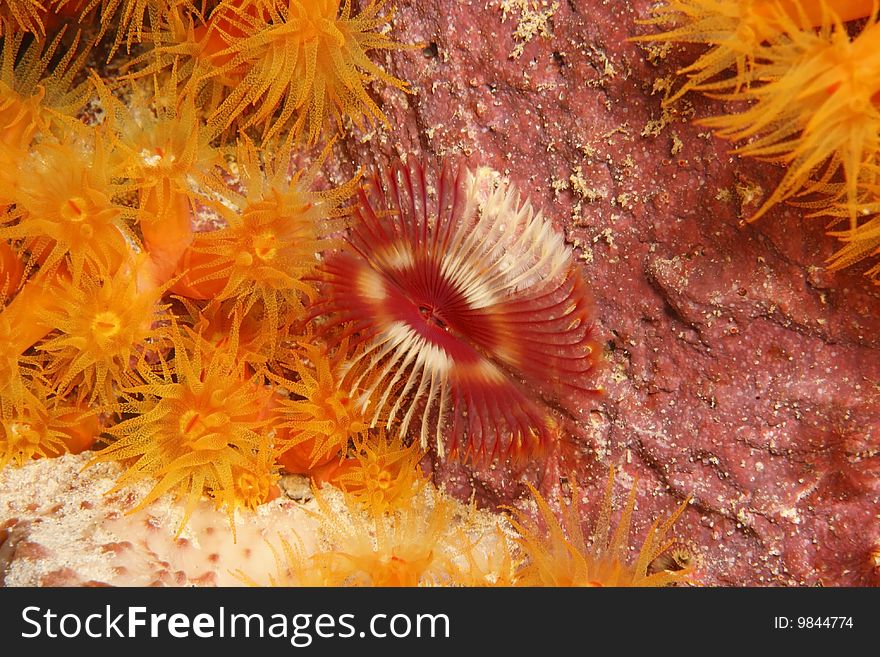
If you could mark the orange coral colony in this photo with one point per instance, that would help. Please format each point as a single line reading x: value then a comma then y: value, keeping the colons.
x: 154, y: 264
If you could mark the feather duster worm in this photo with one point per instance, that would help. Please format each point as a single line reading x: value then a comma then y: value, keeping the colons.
x: 562, y: 555
x: 460, y: 312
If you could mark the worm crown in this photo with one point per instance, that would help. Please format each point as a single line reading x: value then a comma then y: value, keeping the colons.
x: 467, y: 309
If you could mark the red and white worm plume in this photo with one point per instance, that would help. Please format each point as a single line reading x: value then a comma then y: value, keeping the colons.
x: 468, y: 310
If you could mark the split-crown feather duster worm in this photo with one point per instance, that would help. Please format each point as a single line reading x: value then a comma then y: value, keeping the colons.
x: 467, y: 315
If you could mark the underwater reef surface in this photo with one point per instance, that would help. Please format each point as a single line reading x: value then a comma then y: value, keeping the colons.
x: 738, y: 370
x: 60, y: 528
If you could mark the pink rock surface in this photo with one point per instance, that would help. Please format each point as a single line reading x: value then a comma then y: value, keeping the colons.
x: 737, y: 370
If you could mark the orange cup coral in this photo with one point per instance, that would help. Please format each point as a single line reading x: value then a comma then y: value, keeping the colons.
x: 564, y: 556
x: 201, y: 431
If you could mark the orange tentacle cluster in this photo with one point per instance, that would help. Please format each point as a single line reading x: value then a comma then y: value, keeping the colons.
x: 812, y: 87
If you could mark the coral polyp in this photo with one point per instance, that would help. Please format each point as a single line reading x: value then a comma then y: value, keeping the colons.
x: 813, y: 111
x: 318, y: 418
x: 65, y: 208
x: 268, y: 259
x: 21, y: 15
x: 169, y: 162
x: 461, y: 310
x: 383, y: 474
x: 105, y: 334
x: 269, y: 244
x: 409, y: 547
x: 737, y: 31
x: 201, y: 430
x: 38, y: 425
x: 562, y: 555
x: 810, y: 76
x: 128, y: 17
x: 858, y: 243
x: 306, y: 63
x: 41, y: 88
x: 11, y: 271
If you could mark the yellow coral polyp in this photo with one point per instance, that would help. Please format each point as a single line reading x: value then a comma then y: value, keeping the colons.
x: 860, y: 242
x: 306, y: 63
x: 738, y: 32
x: 318, y: 414
x: 273, y: 231
x: 410, y: 547
x: 383, y: 474
x: 812, y: 82
x: 199, y: 431
x: 817, y: 112
x: 272, y: 235
x: 104, y: 334
x: 22, y: 15
x: 39, y: 91
x: 111, y: 205
x: 559, y: 554
x: 252, y: 488
x: 35, y: 426
x: 130, y: 21
x: 105, y: 325
x: 65, y: 206
x: 163, y: 154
